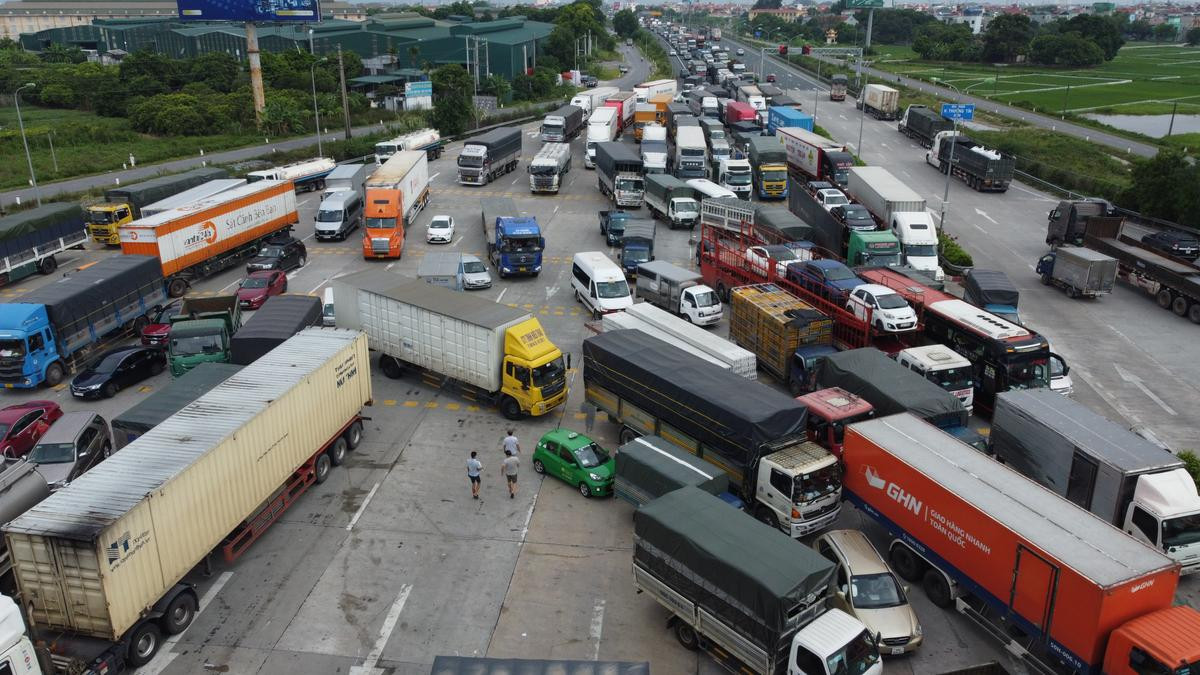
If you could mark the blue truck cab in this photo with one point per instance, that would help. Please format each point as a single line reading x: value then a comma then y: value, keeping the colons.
x: 518, y: 246
x: 43, y: 336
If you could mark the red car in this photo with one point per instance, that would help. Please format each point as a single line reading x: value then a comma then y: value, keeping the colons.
x: 21, y: 425
x: 155, y: 334
x: 259, y: 286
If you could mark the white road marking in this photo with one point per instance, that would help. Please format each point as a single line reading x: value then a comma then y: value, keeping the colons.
x: 362, y: 507
x: 227, y: 286
x: 528, y: 517
x: 502, y: 292
x: 434, y: 176
x: 597, y: 627
x: 166, y: 654
x: 385, y: 632
x: 989, y: 218
x: 1137, y: 382
x: 309, y: 236
x: 389, y: 266
x: 314, y: 288
x: 456, y: 241
x: 551, y: 290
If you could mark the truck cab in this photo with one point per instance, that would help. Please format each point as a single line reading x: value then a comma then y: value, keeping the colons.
x: 612, y: 226
x: 519, y: 245
x: 1165, y: 513
x: 944, y: 367
x: 28, y: 353
x: 830, y: 411
x: 918, y: 240
x: 637, y: 245
x: 734, y: 175
x: 105, y: 219
x: 833, y: 644
x: 201, y: 332
x: 798, y: 487
x: 534, y: 372
x: 873, y: 249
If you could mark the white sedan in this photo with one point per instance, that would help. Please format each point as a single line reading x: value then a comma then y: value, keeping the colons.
x: 440, y: 230
x: 888, y: 309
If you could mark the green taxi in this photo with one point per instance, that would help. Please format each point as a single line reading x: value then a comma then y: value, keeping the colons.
x: 577, y: 459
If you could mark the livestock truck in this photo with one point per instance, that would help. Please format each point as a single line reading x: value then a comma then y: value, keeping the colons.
x: 305, y: 175
x: 514, y: 242
x: 672, y: 200
x: 619, y: 174
x: 563, y: 124
x: 1063, y: 590
x: 198, y: 240
x: 753, y: 600
x: 813, y: 157
x: 489, y: 155
x: 549, y: 167
x: 981, y: 168
x: 53, y: 330
x: 1174, y: 284
x: 923, y: 124
x: 428, y: 141
x: 879, y: 101
x: 280, y: 317
x: 396, y: 193
x: 681, y: 292
x: 747, y: 429
x: 1102, y: 467
x: 134, y: 527
x: 902, y: 211
x: 30, y: 240
x: 490, y: 352
x: 124, y: 204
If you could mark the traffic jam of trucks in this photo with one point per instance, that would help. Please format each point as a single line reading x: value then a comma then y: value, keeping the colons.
x: 811, y: 362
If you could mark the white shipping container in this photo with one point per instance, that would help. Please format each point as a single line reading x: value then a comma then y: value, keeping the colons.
x: 98, y: 553
x: 740, y: 361
x: 881, y: 97
x: 407, y: 171
x: 455, y: 334
x: 803, y: 148
x: 882, y: 193
x: 624, y: 321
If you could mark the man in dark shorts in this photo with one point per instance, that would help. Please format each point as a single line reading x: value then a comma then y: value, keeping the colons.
x: 509, y: 468
x: 474, y: 469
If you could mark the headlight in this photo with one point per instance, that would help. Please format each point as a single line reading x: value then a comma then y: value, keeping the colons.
x: 595, y: 476
x: 505, y: 269
x: 537, y: 268
x: 91, y: 387
x: 918, y: 632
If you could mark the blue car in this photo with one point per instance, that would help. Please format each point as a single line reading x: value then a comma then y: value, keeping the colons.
x: 828, y: 278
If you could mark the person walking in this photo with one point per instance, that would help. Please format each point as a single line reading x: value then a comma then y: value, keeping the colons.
x: 509, y: 468
x: 474, y: 471
x: 512, y: 444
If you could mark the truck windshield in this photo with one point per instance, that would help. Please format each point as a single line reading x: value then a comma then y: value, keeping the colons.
x: 687, y: 207
x: 329, y: 216
x: 951, y: 379
x: 716, y: 134
x: 635, y: 256
x: 12, y: 349
x: 920, y: 250
x: 98, y: 217
x: 552, y: 128
x: 381, y: 223
x: 591, y: 456
x: 737, y: 178
x: 1181, y: 531
x: 774, y: 176
x: 543, y: 169
x: 196, y: 344
x: 612, y: 289
x: 705, y: 299
x: 692, y: 152
x: 470, y: 161
x: 630, y: 184
x: 856, y: 657
x: 548, y: 373
x: 1030, y: 373
x: 52, y: 453
x: 817, y: 484
x: 528, y: 244
x: 840, y: 176
x: 875, y: 591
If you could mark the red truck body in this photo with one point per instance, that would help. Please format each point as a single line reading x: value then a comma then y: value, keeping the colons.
x: 740, y: 111
x: 624, y: 102
x: 1014, y: 547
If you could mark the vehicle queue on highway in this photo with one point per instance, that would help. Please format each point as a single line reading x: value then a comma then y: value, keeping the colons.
x: 868, y: 367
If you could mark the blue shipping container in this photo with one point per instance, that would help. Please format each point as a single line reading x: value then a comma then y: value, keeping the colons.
x: 781, y: 116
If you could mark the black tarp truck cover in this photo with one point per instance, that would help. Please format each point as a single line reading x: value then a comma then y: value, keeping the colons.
x: 155, y: 189
x: 749, y: 574
x: 118, y: 280
x: 176, y: 396
x: 717, y: 408
x: 22, y: 231
x: 889, y: 386
x: 478, y: 665
x: 649, y: 467
x: 777, y: 221
x: 499, y: 142
x: 280, y: 317
x: 990, y: 287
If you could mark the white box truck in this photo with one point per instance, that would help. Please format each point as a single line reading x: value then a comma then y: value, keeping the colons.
x: 592, y: 99
x: 602, y: 128
x: 681, y: 292
x: 901, y: 210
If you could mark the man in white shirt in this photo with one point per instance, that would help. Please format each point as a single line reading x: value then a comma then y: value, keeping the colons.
x: 511, y: 444
x: 474, y: 469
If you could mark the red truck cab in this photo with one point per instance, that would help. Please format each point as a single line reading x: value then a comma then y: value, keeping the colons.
x: 1149, y: 644
x: 829, y: 411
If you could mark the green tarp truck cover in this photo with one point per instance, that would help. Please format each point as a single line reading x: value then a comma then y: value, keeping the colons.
x: 171, y: 399
x: 649, y: 467
x: 751, y: 575
x: 22, y: 231
x: 890, y: 387
x: 716, y: 407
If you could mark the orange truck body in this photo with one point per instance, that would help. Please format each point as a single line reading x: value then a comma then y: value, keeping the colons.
x: 395, y: 193
x: 1011, y: 544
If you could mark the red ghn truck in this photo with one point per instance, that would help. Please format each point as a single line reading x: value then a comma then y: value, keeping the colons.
x: 1066, y: 591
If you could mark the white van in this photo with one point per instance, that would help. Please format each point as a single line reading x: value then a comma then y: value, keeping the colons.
x: 339, y: 214
x: 327, y: 317
x: 944, y: 367
x: 599, y: 283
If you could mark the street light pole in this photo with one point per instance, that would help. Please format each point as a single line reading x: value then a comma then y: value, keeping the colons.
x: 948, y: 169
x: 28, y: 158
x: 862, y: 118
x: 312, y: 73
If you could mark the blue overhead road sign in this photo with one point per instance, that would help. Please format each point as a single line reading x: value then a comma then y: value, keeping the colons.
x: 963, y: 112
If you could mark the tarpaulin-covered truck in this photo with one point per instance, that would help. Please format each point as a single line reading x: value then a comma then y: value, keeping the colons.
x: 1101, y: 466
x: 489, y: 155
x: 281, y: 317
x: 29, y: 240
x: 198, y: 240
x: 923, y: 124
x: 491, y: 352
x: 122, y: 205
x: 889, y: 387
x: 160, y: 405
x: 50, y: 331
x: 125, y: 535
x: 1060, y: 587
x: 650, y: 387
x: 396, y: 193
x: 981, y: 168
x: 752, y: 599
x: 649, y: 467
x: 993, y: 291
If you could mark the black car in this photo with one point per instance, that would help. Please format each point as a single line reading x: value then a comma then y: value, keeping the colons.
x: 589, y: 80
x: 853, y: 216
x: 117, y: 369
x: 282, y: 254
x: 1178, y: 244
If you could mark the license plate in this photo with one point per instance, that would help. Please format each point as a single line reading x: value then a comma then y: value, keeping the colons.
x: 77, y: 394
x: 896, y: 651
x: 523, y: 269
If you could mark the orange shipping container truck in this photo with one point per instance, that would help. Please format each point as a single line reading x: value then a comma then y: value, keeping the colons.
x: 1016, y: 557
x: 396, y: 192
x: 209, y: 235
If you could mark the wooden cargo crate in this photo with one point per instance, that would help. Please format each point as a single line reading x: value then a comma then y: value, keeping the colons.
x: 773, y: 324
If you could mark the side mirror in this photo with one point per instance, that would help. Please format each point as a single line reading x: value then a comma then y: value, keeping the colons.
x: 568, y: 361
x: 542, y: 242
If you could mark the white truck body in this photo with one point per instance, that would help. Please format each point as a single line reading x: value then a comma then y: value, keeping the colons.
x: 195, y: 194
x: 409, y: 174
x: 591, y: 99
x: 16, y: 651
x: 347, y: 177
x: 738, y: 360
x: 413, y: 140
x: 645, y: 90
x: 297, y: 172
x: 654, y: 148
x: 691, y: 152
x: 901, y: 210
x: 548, y: 166
x: 602, y: 128
x: 735, y: 175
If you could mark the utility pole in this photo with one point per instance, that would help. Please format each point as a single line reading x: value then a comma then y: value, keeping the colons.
x: 256, y: 81
x: 870, y: 22
x: 345, y: 98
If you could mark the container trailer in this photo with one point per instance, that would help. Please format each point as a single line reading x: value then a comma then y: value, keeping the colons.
x: 396, y: 193
x: 879, y: 101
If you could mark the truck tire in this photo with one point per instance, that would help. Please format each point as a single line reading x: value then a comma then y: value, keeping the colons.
x: 1180, y: 305
x: 354, y: 435
x: 144, y: 643
x: 54, y: 374
x: 686, y: 635
x: 937, y: 588
x: 391, y: 367
x: 1046, y: 280
x: 179, y: 613
x: 47, y: 265
x: 337, y: 451
x: 177, y: 287
x: 1194, y: 313
x: 1163, y: 298
x: 510, y: 408
x: 905, y: 562
x: 321, y: 468
x: 627, y: 435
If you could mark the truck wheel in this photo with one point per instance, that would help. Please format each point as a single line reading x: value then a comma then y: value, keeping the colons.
x: 937, y: 589
x: 179, y: 613
x: 47, y: 265
x: 1046, y: 280
x: 54, y: 374
x: 1194, y: 313
x: 354, y: 435
x: 1163, y: 298
x: 391, y: 367
x: 144, y: 644
x: 321, y: 468
x: 1180, y: 305
x: 627, y: 435
x: 337, y: 451
x: 767, y: 516
x: 177, y: 287
x: 687, y: 636
x: 510, y: 408
x: 907, y: 565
